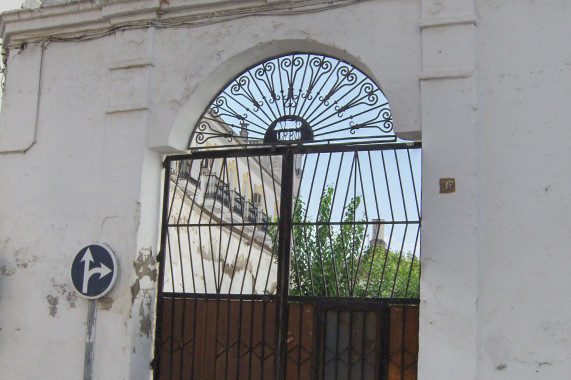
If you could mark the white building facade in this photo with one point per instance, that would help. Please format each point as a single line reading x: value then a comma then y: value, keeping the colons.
x: 98, y: 92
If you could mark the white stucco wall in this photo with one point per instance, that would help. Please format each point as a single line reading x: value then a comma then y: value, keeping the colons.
x: 525, y: 276
x: 84, y: 125
x: 495, y: 262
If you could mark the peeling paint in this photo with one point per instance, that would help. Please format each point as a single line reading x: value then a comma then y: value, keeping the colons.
x: 71, y: 297
x: 106, y: 302
x: 144, y: 267
x: 501, y: 367
x: 145, y: 317
x: 238, y: 266
x: 10, y: 268
x: 228, y: 269
x: 7, y: 270
x: 272, y: 289
x: 541, y: 364
x: 52, y: 301
x: 67, y: 292
x: 135, y: 288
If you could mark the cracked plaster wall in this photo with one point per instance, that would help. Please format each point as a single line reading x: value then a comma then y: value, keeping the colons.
x: 83, y: 185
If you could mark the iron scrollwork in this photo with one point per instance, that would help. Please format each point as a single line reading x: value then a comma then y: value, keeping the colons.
x: 323, y: 99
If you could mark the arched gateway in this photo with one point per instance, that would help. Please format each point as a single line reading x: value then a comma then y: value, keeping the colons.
x: 290, y: 239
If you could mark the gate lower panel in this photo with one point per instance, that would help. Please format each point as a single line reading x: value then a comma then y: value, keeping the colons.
x: 236, y: 339
x: 218, y: 339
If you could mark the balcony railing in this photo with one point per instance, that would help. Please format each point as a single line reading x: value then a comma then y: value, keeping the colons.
x: 252, y: 212
x: 217, y: 189
x: 220, y: 191
x: 239, y: 203
x: 265, y: 220
x: 188, y: 177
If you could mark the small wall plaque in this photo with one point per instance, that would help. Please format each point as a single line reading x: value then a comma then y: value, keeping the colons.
x: 447, y: 185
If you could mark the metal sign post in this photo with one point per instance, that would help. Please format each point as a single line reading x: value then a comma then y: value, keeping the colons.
x: 93, y: 274
x: 90, y: 340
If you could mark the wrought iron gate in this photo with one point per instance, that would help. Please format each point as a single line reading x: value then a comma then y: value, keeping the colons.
x: 290, y: 262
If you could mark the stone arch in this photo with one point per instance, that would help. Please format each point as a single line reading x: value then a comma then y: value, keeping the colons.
x: 175, y: 139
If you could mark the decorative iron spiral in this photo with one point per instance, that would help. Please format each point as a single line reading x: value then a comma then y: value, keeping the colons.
x: 338, y: 102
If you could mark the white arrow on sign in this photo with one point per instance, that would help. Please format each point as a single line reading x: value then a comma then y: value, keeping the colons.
x: 87, y: 273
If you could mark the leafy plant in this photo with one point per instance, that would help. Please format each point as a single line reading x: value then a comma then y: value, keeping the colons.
x: 335, y: 260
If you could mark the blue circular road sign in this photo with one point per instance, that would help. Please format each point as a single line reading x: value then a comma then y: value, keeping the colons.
x: 93, y: 271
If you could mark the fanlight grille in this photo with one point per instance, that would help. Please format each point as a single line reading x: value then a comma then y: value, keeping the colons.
x: 296, y: 98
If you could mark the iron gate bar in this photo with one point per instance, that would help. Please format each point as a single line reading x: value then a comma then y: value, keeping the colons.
x: 342, y: 236
x: 305, y: 216
x: 406, y: 218
x: 342, y: 303
x: 241, y: 191
x: 284, y: 247
x: 267, y: 223
x: 225, y: 166
x: 387, y: 183
x: 278, y: 213
x: 160, y: 257
x: 413, y: 183
x: 253, y: 233
x: 378, y: 213
x: 280, y: 150
x: 363, y: 338
x: 383, y: 333
x: 233, y: 224
x: 335, y: 270
x: 399, y: 260
x: 184, y: 304
x: 412, y: 260
x: 295, y: 208
x: 403, y: 343
x: 330, y: 302
x: 319, y: 248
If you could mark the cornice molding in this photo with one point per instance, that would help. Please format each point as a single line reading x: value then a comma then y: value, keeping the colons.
x: 87, y: 20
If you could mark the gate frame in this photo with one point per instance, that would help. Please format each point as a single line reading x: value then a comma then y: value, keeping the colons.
x: 285, y: 225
